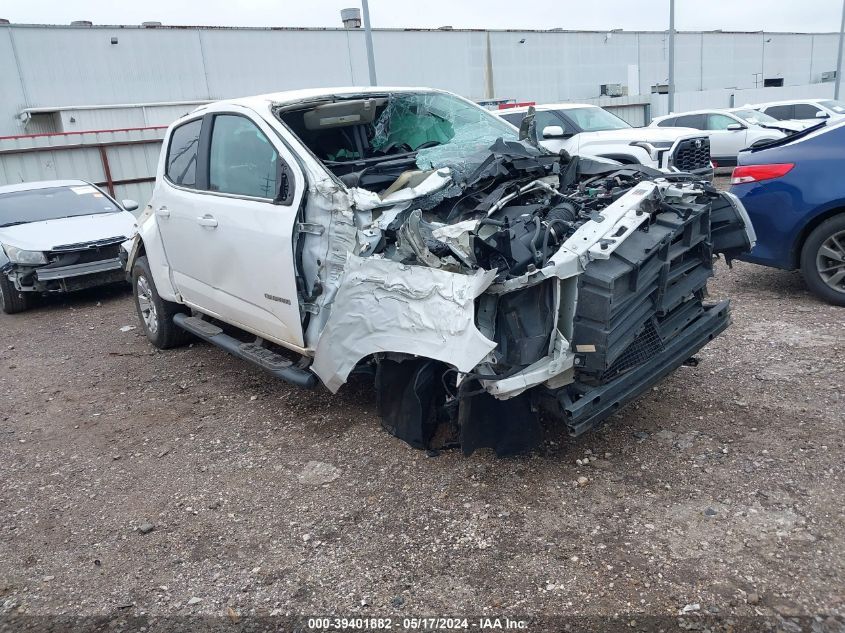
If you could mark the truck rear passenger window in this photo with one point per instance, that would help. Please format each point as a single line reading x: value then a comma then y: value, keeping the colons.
x: 182, y: 154
x: 242, y: 161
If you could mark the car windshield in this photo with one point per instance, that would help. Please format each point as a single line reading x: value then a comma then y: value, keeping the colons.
x: 752, y: 116
x: 595, y: 119
x: 370, y: 140
x: 836, y: 106
x: 52, y: 203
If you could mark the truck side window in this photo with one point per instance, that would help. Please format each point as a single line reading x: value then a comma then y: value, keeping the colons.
x: 242, y: 160
x: 670, y: 122
x: 182, y: 154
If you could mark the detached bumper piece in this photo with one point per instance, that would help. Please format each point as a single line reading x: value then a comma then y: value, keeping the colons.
x: 584, y: 406
x: 80, y: 276
x: 640, y: 313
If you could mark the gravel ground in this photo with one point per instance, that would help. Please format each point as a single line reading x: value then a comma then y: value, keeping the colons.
x: 181, y: 483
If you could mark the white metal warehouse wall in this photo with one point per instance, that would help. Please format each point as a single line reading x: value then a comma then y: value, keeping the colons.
x: 53, y: 66
x: 123, y: 161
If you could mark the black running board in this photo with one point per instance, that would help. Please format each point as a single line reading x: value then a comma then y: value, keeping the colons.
x: 275, y: 364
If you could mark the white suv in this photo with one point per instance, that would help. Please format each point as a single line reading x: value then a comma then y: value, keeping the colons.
x: 409, y: 234
x: 728, y: 130
x: 804, y: 110
x: 588, y: 130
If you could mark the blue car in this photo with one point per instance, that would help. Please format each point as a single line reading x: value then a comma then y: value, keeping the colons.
x: 794, y: 192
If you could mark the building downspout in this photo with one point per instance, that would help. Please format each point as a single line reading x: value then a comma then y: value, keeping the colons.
x: 20, y: 74
x: 490, y: 91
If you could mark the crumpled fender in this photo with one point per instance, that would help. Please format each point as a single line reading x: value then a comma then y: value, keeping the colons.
x: 385, y: 306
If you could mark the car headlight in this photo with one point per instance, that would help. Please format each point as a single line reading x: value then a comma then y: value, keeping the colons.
x: 20, y: 256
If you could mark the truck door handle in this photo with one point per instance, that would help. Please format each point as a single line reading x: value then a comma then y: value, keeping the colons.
x: 207, y: 220
x: 163, y: 212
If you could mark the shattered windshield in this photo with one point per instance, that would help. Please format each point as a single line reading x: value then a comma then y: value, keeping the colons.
x: 440, y: 128
x: 370, y: 140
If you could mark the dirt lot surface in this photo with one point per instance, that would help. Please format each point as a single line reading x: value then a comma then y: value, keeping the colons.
x: 185, y: 482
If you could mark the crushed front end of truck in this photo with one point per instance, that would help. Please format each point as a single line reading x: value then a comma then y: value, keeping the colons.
x: 486, y: 285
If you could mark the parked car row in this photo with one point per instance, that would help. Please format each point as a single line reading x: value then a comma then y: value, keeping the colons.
x: 734, y: 129
x: 789, y: 156
x: 729, y: 131
x: 588, y: 130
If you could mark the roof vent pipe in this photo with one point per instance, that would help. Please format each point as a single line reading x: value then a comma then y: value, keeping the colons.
x: 351, y: 18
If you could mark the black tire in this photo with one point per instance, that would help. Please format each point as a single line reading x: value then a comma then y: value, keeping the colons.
x: 156, y: 314
x: 12, y: 300
x: 821, y: 273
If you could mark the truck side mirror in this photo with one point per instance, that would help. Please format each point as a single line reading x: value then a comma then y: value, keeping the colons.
x: 553, y: 131
x: 821, y: 114
x: 735, y: 127
x: 129, y: 205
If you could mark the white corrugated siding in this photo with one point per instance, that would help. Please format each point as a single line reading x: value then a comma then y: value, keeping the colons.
x: 20, y: 163
x: 67, y: 66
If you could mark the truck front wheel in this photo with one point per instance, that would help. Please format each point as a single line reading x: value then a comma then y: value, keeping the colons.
x: 156, y: 314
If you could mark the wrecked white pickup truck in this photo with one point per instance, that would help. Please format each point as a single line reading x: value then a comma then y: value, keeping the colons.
x: 409, y: 233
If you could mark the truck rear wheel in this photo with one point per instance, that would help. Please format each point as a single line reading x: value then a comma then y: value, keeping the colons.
x: 823, y: 260
x: 12, y: 300
x: 156, y: 314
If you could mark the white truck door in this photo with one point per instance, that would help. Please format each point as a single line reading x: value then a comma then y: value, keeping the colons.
x: 174, y: 203
x: 248, y: 219
x: 238, y: 228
